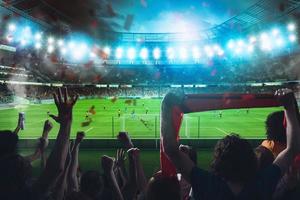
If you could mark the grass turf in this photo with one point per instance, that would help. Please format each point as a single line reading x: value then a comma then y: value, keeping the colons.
x: 106, y: 123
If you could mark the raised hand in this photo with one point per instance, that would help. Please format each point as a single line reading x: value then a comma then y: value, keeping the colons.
x: 107, y: 163
x: 286, y: 97
x: 64, y: 104
x: 125, y: 139
x: 47, y: 128
x: 79, y: 137
x: 120, y: 158
x: 133, y: 153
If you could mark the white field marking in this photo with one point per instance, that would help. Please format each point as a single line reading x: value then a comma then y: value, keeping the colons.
x: 221, y: 130
x: 259, y: 119
x: 89, y: 129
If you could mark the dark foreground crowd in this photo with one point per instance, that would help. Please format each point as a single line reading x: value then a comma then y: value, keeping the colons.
x: 270, y: 171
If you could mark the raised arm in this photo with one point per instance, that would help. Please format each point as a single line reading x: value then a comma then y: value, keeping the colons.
x: 183, y: 163
x: 57, y: 158
x: 107, y: 165
x: 42, y: 144
x: 285, y: 158
x: 73, y: 184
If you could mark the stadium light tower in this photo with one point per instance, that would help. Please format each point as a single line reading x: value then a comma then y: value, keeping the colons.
x: 50, y: 40
x: 196, y: 53
x: 156, y: 53
x: 50, y: 49
x: 119, y: 53
x: 131, y: 53
x: 170, y: 53
x: 183, y: 53
x: 12, y: 27
x: 107, y: 51
x: 38, y: 45
x: 144, y: 53
x: 38, y: 36
x: 291, y: 27
x: 292, y: 37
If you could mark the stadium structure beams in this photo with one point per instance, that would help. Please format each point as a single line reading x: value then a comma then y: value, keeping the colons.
x: 23, y: 14
x: 261, y: 12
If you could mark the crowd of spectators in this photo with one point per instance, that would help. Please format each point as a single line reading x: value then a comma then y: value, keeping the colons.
x: 41, y: 92
x: 272, y: 171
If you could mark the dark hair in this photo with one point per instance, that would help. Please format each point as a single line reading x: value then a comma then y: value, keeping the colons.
x: 91, y: 184
x: 15, y: 173
x: 162, y: 187
x: 264, y: 157
x: 234, y: 159
x: 8, y: 142
x: 275, y: 129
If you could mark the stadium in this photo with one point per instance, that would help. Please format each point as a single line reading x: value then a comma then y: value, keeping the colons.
x: 124, y: 60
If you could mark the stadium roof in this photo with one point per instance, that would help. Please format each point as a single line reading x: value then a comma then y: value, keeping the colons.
x: 101, y: 18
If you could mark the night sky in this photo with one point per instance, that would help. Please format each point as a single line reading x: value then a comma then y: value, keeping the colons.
x: 176, y: 15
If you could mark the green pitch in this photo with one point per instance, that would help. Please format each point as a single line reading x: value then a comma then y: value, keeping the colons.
x: 133, y: 118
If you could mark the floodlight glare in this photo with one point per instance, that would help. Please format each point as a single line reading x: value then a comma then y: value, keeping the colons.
x: 38, y: 45
x: 119, y: 53
x: 23, y: 42
x: 92, y: 55
x: 275, y: 32
x: 279, y: 41
x: 106, y: 51
x: 291, y: 27
x: 183, y: 53
x: 131, y: 53
x: 38, y: 36
x: 63, y: 51
x: 60, y: 42
x: 250, y: 48
x: 156, y: 53
x: 196, y: 53
x: 230, y: 44
x: 170, y: 53
x: 144, y: 53
x: 50, y: 40
x: 292, y: 37
x: 240, y: 43
x: 220, y: 52
x: 50, y: 49
x: 209, y: 51
x: 252, y: 39
x: 12, y: 27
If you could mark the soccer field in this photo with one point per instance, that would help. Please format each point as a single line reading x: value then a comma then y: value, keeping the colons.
x: 106, y: 123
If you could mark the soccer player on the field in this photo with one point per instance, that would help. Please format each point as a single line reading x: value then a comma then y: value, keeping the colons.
x: 119, y: 113
x: 220, y: 114
x: 147, y: 110
x: 133, y: 113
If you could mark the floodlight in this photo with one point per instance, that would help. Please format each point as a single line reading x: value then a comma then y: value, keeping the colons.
x: 275, y: 32
x: 156, y: 53
x: 38, y: 45
x: 50, y: 40
x: 131, y: 53
x: 292, y: 37
x: 107, y: 51
x: 144, y: 53
x: 230, y: 44
x: 170, y: 53
x: 291, y: 27
x: 119, y: 53
x: 196, y: 53
x: 50, y: 49
x: 38, y: 36
x: 60, y: 42
x: 252, y: 39
x: 183, y: 53
x: 12, y: 27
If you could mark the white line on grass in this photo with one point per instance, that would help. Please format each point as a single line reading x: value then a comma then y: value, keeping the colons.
x: 89, y: 129
x: 259, y: 119
x: 221, y: 130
